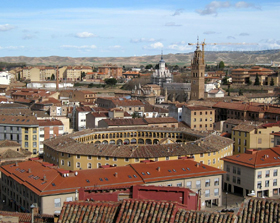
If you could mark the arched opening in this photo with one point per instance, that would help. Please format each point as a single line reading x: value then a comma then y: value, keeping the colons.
x: 126, y: 142
x: 148, y: 141
x: 105, y: 142
x: 97, y: 142
x: 178, y: 140
x: 119, y: 142
x: 155, y: 141
x: 140, y: 141
x: 133, y: 141
x: 112, y: 142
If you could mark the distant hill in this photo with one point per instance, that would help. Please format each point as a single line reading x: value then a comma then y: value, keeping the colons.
x: 211, y: 57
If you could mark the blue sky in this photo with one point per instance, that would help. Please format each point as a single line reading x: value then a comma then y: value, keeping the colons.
x: 91, y: 28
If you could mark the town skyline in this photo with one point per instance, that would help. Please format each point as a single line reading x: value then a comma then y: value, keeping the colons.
x: 135, y: 28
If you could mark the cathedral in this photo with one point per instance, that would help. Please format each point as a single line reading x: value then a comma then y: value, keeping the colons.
x: 161, y: 75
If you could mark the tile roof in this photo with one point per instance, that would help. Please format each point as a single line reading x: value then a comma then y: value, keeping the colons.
x: 198, y: 108
x: 125, y: 122
x: 8, y: 143
x: 26, y: 217
x: 123, y: 102
x: 256, y: 158
x: 151, y: 108
x: 11, y: 154
x: 82, y: 211
x: 84, y: 109
x: 160, y: 120
x: 49, y: 122
x: 18, y: 120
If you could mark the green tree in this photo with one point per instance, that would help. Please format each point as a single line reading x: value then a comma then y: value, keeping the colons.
x: 83, y: 74
x: 272, y: 82
x: 52, y: 77
x: 249, y: 82
x: 221, y: 65
x: 225, y: 80
x: 257, y: 80
x: 149, y: 66
x: 110, y: 81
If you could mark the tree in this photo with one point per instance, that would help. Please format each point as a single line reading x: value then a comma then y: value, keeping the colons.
x: 110, y: 81
x: 225, y: 80
x: 149, y: 66
x: 221, y: 65
x: 257, y: 80
x: 249, y: 82
x: 240, y: 92
x: 272, y: 82
x: 83, y: 74
x: 52, y: 77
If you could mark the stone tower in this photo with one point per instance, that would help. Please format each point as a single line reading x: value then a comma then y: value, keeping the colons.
x: 197, y: 72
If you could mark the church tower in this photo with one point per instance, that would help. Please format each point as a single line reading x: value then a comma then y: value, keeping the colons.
x: 197, y: 74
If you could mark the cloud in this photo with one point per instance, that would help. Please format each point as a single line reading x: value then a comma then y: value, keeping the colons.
x: 209, y: 32
x: 270, y: 43
x: 85, y: 35
x: 157, y: 45
x: 244, y: 34
x: 142, y: 40
x: 6, y: 27
x: 178, y: 12
x: 28, y: 36
x: 230, y: 37
x: 213, y: 7
x: 11, y: 47
x: 84, y: 47
x: 179, y: 47
x: 116, y: 47
x: 171, y: 24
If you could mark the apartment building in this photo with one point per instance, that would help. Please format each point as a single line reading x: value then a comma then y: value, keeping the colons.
x: 253, y: 136
x: 73, y: 73
x: 39, y: 182
x: 35, y: 74
x: 198, y: 117
x: 22, y: 129
x: 111, y: 70
x: 254, y: 170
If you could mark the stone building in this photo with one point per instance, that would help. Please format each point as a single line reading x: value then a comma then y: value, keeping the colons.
x: 161, y: 75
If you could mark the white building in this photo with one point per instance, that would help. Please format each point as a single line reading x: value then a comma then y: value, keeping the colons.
x: 5, y: 78
x: 161, y: 75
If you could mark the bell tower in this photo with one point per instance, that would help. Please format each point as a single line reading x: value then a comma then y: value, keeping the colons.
x: 197, y: 74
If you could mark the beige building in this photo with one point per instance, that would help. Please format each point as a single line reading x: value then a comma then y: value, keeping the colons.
x: 39, y: 182
x: 198, y: 117
x: 35, y: 74
x: 73, y: 73
x: 254, y: 170
x: 111, y: 70
x: 251, y: 136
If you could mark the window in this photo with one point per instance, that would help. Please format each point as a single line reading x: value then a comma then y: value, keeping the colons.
x: 259, y: 140
x: 267, y: 183
x: 198, y: 184
x: 68, y: 163
x: 179, y: 184
x: 34, y: 151
x: 62, y: 162
x: 200, y: 113
x: 25, y: 130
x: 209, y: 162
x: 228, y: 168
x: 238, y: 171
x: 267, y: 173
x: 238, y: 180
x: 69, y: 155
x: 194, y: 119
x: 234, y: 179
x: 167, y: 158
x: 99, y: 157
x: 34, y: 144
x: 207, y: 183
x: 227, y: 177
x: 136, y: 160
x: 89, y: 157
x: 259, y: 174
x: 216, y: 192
x: 57, y: 202
x: 216, y: 182
x: 214, y: 161
x: 62, y: 154
x: 34, y: 137
x: 69, y: 199
x: 106, y: 158
x: 275, y: 182
x: 126, y: 159
x: 26, y: 137
x: 201, y: 154
x: 189, y: 184
x: 78, y: 164
x: 78, y: 156
x: 200, y: 119
x: 209, y: 154
x: 26, y: 144
x: 89, y: 165
x: 207, y: 193
x: 34, y: 130
x: 259, y: 185
x: 275, y: 173
x: 115, y: 158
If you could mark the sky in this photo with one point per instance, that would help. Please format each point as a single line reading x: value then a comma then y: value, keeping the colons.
x: 124, y: 28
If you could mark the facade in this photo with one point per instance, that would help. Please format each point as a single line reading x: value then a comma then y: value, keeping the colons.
x: 5, y: 78
x: 74, y: 73
x: 42, y: 183
x: 161, y: 75
x: 80, y: 117
x: 255, y: 170
x: 93, y: 148
x: 198, y: 117
x: 111, y: 70
x: 22, y: 129
x: 253, y: 136
x: 240, y: 76
x: 149, y: 93
x: 38, y: 73
x: 197, y: 74
x: 49, y: 128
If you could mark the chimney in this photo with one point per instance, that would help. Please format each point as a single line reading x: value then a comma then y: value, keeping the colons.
x: 198, y: 165
x: 116, y: 174
x: 57, y: 79
x: 29, y: 170
x: 16, y: 163
x: 158, y: 169
x: 45, y: 178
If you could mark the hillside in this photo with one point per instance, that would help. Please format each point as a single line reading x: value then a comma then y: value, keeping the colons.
x: 229, y: 57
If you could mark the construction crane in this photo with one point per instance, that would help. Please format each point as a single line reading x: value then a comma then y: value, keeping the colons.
x: 213, y: 44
